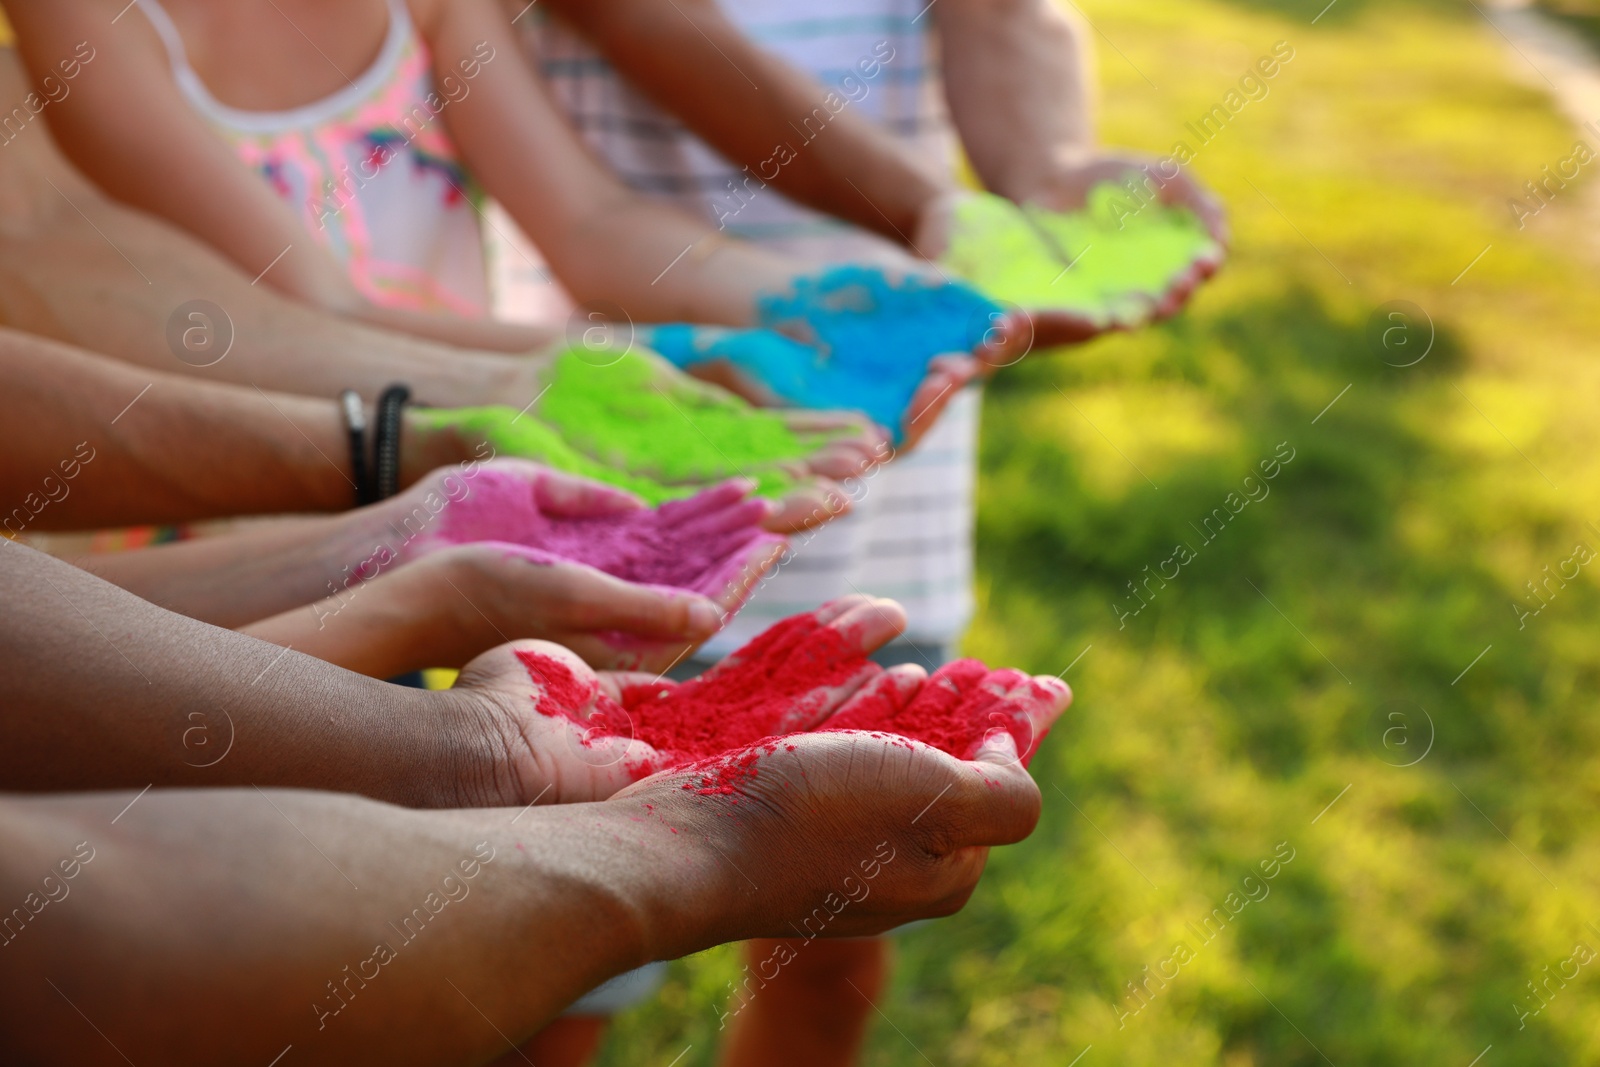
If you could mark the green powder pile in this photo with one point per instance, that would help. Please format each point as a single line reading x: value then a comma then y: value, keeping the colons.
x: 636, y: 423
x: 1123, y: 257
x: 642, y: 414
x: 528, y: 438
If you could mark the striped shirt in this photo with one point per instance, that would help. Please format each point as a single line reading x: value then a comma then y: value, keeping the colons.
x: 909, y: 535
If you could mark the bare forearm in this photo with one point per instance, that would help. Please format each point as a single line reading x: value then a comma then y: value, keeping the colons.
x: 762, y: 113
x: 675, y: 268
x: 380, y: 934
x: 238, y: 577
x: 94, y: 442
x: 653, y: 261
x: 108, y: 691
x: 483, y: 335
x: 79, y: 268
x: 1016, y: 80
x: 606, y: 243
x: 402, y: 622
x: 198, y: 316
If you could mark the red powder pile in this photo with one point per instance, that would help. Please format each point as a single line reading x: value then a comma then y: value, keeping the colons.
x: 696, y: 544
x: 960, y: 705
x: 723, y: 722
x: 774, y: 685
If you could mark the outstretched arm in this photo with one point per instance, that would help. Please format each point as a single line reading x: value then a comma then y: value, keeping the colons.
x: 253, y: 921
x: 120, y: 109
x: 109, y: 691
x: 94, y: 442
x: 1019, y: 84
x: 604, y: 241
x: 452, y: 567
x: 750, y: 105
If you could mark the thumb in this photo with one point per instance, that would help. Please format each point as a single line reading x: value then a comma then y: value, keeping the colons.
x: 996, y: 801
x: 571, y: 497
x: 648, y: 611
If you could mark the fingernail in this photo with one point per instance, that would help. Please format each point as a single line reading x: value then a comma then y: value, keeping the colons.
x: 704, y: 617
x: 998, y: 746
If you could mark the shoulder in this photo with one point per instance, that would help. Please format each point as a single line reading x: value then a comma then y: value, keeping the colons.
x: 45, y: 27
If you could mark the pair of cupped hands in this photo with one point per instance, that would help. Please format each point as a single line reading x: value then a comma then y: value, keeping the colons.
x: 910, y: 823
x: 488, y: 566
x: 887, y: 830
x: 820, y: 345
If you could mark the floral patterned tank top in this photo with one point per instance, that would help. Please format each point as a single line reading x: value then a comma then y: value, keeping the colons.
x: 369, y: 169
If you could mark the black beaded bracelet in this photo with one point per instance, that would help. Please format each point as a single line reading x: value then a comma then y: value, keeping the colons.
x: 386, y: 441
x: 355, y: 426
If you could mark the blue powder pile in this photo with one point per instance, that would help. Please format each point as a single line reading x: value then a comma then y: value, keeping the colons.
x: 850, y: 337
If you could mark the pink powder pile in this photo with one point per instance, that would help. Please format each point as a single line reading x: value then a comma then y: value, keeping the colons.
x: 698, y: 544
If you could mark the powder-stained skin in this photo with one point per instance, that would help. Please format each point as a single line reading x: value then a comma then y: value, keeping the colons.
x: 1123, y: 261
x: 959, y: 707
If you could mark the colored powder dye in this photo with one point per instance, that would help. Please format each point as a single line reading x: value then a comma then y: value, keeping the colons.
x: 848, y: 338
x: 1123, y: 258
x: 728, y: 714
x: 722, y: 723
x: 697, y: 544
x: 528, y: 438
x: 954, y: 711
x: 641, y: 415
x: 769, y: 687
x: 622, y: 424
x: 561, y: 691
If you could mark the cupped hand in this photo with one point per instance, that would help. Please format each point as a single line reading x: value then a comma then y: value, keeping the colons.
x: 856, y: 337
x: 547, y: 729
x: 963, y: 708
x: 710, y: 543
x: 639, y: 424
x: 484, y: 593
x: 1084, y: 256
x: 848, y: 834
x: 854, y: 456
x: 1068, y: 188
x: 641, y: 413
x: 550, y: 727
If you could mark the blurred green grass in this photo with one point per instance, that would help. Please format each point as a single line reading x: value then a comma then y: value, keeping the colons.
x: 1392, y: 548
x: 1581, y: 16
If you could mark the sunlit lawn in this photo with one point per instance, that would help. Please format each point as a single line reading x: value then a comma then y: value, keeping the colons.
x: 1302, y: 653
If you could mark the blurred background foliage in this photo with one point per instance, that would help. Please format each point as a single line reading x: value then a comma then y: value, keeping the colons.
x: 1263, y: 682
x: 1583, y: 16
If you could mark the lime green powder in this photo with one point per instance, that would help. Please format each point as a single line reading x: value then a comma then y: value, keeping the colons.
x: 1121, y: 259
x: 635, y: 422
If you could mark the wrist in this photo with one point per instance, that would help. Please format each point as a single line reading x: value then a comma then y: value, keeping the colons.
x: 1057, y: 167
x: 931, y: 235
x: 516, y: 380
x: 474, y: 760
x: 426, y: 445
x: 359, y: 544
x: 422, y: 614
x: 694, y: 896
